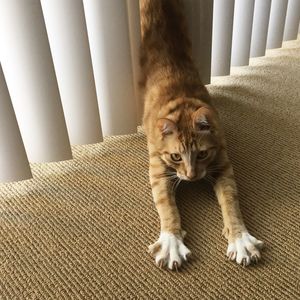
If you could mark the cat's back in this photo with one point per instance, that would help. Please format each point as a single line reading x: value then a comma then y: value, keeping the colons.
x: 165, y: 46
x: 167, y: 68
x: 158, y: 12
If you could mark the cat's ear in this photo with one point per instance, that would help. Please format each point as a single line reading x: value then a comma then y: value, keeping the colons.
x: 202, y: 119
x: 166, y: 126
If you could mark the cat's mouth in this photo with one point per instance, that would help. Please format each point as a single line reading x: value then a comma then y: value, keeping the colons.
x: 194, y: 178
x: 190, y: 179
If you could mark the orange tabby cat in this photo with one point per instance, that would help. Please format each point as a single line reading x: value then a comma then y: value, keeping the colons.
x: 185, y: 139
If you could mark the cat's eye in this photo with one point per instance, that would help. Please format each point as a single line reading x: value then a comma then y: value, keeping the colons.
x: 202, y: 154
x: 176, y: 157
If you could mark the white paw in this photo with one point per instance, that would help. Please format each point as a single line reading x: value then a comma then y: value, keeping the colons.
x: 245, y: 250
x: 169, y: 250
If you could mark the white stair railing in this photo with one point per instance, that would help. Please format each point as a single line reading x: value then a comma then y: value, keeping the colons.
x: 71, y: 67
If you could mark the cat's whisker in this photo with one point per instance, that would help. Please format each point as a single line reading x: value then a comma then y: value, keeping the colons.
x: 212, y: 170
x: 177, y: 183
x: 170, y: 173
x: 172, y: 176
x: 173, y: 185
x: 211, y: 177
x: 216, y: 167
x: 167, y: 175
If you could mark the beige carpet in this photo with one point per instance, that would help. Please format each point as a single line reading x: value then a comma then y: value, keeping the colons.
x: 81, y: 228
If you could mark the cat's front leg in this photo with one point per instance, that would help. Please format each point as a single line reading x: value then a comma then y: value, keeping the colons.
x: 169, y: 250
x: 242, y: 247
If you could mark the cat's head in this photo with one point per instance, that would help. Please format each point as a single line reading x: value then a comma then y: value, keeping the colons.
x: 188, y: 141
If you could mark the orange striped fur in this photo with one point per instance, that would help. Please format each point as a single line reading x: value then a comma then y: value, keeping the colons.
x: 185, y: 139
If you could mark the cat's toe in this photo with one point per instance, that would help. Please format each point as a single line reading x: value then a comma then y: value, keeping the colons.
x: 244, y: 250
x: 184, y: 252
x: 154, y: 248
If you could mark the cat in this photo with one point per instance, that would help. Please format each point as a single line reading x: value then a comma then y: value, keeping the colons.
x: 184, y: 136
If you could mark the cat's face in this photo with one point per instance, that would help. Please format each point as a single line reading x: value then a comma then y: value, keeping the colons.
x: 189, y: 145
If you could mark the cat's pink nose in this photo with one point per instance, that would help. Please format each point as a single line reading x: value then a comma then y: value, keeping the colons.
x: 191, y: 174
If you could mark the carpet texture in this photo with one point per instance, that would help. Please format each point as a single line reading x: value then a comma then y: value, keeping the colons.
x: 81, y: 228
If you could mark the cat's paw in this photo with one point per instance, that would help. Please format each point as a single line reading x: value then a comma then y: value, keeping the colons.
x: 245, y: 249
x: 169, y: 251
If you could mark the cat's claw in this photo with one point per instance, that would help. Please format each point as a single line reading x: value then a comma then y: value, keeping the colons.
x: 244, y: 250
x: 175, y: 265
x: 161, y: 263
x: 169, y: 250
x: 254, y: 259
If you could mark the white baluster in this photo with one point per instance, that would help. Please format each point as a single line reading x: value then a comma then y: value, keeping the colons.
x: 242, y: 30
x: 28, y: 68
x: 66, y: 28
x: 108, y: 31
x: 14, y: 165
x: 260, y: 27
x: 276, y: 25
x: 222, y: 37
x: 292, y: 20
x: 199, y: 20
